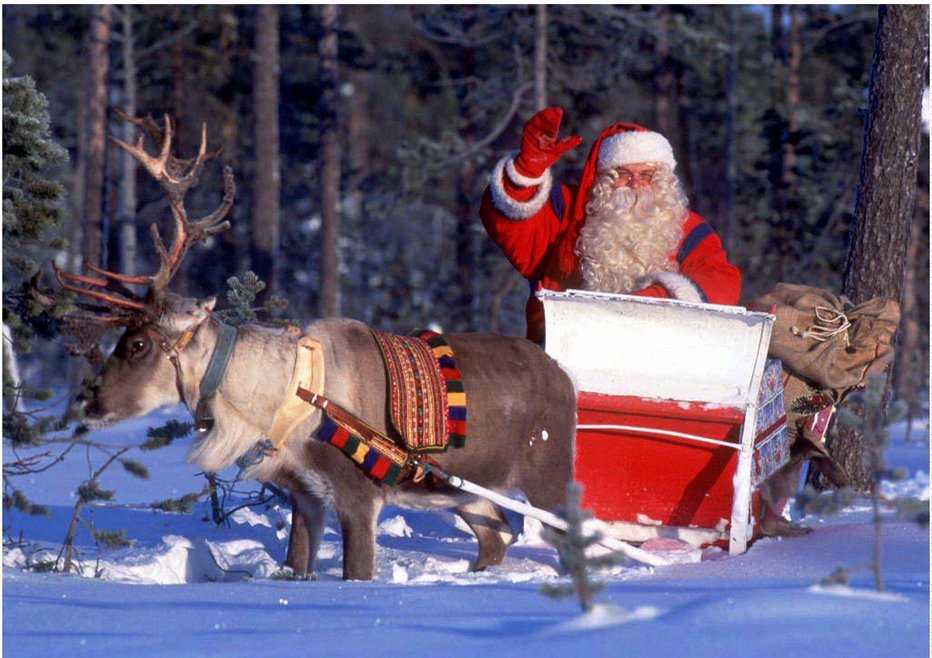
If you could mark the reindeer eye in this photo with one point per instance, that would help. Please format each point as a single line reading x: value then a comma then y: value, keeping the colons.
x: 137, y: 345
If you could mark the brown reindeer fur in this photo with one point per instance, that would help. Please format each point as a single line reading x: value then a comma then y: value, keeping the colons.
x: 516, y: 393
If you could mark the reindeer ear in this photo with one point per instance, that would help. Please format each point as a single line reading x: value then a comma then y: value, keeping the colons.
x: 208, y: 303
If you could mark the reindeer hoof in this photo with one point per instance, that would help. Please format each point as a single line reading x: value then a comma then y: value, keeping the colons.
x: 287, y: 573
x: 776, y: 526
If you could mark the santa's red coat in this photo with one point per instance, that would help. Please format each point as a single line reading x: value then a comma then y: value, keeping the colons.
x: 542, y: 246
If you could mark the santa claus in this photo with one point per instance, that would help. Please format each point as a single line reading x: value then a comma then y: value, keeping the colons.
x: 625, y: 228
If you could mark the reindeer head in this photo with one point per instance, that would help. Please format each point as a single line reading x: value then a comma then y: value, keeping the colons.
x: 143, y: 372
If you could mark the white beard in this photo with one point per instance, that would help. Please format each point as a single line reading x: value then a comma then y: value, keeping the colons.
x: 629, y: 235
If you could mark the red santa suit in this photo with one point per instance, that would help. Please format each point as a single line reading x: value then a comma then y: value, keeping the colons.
x: 537, y: 226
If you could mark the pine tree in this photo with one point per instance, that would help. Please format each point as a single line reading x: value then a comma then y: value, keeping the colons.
x: 32, y: 202
x: 571, y: 547
x: 32, y: 210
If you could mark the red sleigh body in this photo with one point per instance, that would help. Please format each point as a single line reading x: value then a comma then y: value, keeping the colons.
x: 680, y: 415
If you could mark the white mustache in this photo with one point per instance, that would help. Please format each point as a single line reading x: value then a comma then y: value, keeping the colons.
x: 627, y: 200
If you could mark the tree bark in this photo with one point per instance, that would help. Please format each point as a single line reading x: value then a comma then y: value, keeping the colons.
x: 127, y: 213
x: 880, y: 232
x: 264, y: 243
x: 540, y: 57
x: 906, y: 375
x: 358, y: 155
x: 465, y: 215
x: 727, y: 219
x: 75, y: 227
x: 95, y: 172
x: 664, y: 77
x: 329, y: 301
x: 782, y: 232
x: 230, y: 250
x: 793, y: 93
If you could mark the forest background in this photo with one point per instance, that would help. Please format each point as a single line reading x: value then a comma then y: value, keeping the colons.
x: 361, y: 139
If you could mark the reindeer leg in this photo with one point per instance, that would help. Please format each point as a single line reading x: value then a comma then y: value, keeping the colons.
x: 492, y: 531
x: 358, y: 525
x: 297, y: 558
x: 309, y: 519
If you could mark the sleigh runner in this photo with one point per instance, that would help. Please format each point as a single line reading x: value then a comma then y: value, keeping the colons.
x: 680, y: 414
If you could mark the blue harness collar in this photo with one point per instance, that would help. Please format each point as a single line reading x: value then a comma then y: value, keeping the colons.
x: 210, y: 382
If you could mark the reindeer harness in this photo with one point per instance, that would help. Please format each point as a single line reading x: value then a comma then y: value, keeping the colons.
x: 419, y: 368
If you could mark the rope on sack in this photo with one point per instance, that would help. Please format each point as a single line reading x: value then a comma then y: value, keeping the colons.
x: 829, y: 323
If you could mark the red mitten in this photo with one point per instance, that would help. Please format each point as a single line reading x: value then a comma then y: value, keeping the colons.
x: 541, y: 145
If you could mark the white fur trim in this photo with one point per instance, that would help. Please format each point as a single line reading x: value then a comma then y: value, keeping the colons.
x: 520, y: 179
x: 635, y: 147
x: 679, y: 286
x: 510, y: 207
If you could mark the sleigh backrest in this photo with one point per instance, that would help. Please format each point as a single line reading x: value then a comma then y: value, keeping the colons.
x: 658, y: 349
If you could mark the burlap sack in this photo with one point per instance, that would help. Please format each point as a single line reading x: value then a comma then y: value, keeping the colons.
x: 827, y: 340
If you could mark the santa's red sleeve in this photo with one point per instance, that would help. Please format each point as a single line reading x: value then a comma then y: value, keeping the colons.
x: 519, y: 214
x: 705, y: 275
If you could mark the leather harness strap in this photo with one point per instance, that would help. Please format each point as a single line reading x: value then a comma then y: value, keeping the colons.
x: 210, y: 382
x: 392, y: 451
x: 308, y: 374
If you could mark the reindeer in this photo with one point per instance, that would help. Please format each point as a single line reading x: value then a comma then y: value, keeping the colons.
x: 522, y: 404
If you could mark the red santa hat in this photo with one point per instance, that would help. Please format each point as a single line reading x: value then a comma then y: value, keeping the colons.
x: 635, y: 146
x: 619, y: 144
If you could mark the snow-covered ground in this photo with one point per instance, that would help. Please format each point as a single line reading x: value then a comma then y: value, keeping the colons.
x: 189, y: 588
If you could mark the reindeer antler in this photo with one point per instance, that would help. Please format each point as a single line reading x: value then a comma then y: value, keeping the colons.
x: 175, y: 176
x: 175, y: 182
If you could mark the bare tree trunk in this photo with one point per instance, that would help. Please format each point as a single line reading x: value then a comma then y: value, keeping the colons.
x: 264, y: 243
x: 127, y: 213
x: 688, y: 159
x: 466, y: 251
x: 180, y: 68
x: 230, y: 250
x: 95, y: 174
x: 781, y: 231
x: 793, y: 97
x: 909, y: 351
x: 75, y: 229
x: 358, y: 154
x: 727, y: 219
x: 330, y: 163
x: 664, y: 78
x: 540, y: 57
x: 880, y: 231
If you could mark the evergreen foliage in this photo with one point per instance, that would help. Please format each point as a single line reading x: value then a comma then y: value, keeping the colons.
x: 572, y: 546
x: 415, y: 108
x: 241, y: 297
x: 135, y: 469
x: 112, y: 538
x: 182, y: 505
x: 90, y: 492
x: 161, y: 436
x: 32, y: 209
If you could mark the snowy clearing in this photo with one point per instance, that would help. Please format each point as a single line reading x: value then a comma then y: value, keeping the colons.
x: 211, y: 592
